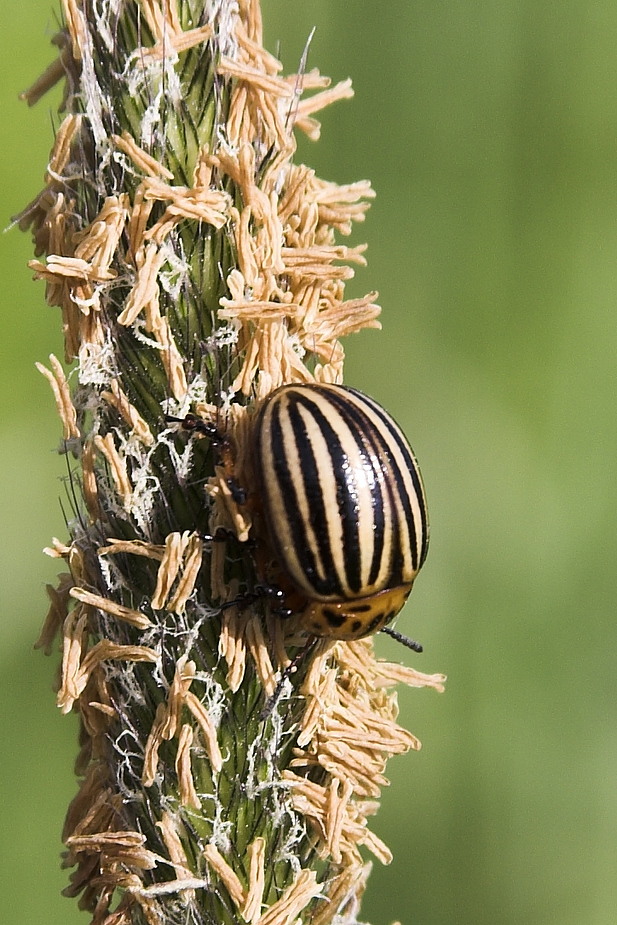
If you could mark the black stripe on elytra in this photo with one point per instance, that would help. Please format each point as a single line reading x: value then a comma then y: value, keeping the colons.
x: 367, y: 439
x: 336, y: 468
x: 403, y: 523
x: 297, y: 527
x: 412, y: 466
x: 312, y: 471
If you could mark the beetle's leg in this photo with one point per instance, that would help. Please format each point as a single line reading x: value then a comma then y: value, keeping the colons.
x: 193, y: 423
x: 220, y: 535
x: 247, y: 597
x: 238, y: 493
x: 263, y: 591
x: 278, y: 597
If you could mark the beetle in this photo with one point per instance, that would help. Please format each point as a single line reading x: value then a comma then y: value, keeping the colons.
x: 344, y: 506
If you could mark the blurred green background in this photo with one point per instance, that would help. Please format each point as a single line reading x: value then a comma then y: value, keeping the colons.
x: 489, y: 130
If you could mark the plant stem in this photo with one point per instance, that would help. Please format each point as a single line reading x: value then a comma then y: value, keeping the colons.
x: 196, y: 268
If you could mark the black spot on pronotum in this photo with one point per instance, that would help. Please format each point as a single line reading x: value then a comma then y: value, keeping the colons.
x: 333, y: 618
x: 377, y: 621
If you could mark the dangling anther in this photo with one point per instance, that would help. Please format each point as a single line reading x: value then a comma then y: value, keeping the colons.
x: 291, y: 668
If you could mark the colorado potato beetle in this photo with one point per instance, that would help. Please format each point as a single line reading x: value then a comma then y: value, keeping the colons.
x: 343, y: 504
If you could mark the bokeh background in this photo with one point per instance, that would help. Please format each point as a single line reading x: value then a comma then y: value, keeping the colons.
x: 489, y: 130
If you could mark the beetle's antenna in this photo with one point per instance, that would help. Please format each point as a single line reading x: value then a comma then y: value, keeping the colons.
x: 404, y: 640
x: 272, y: 701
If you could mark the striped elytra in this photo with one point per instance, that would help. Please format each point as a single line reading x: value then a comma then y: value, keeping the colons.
x: 343, y: 503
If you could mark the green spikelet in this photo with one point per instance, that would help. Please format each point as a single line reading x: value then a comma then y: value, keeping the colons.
x: 196, y: 269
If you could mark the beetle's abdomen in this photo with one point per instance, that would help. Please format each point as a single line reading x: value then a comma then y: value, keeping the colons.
x: 341, y: 491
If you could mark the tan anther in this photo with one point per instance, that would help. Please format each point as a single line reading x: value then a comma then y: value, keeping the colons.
x: 149, y: 261
x: 117, y: 465
x: 138, y: 223
x: 344, y: 891
x: 312, y: 104
x: 171, y: 358
x: 309, y: 80
x: 105, y: 840
x: 247, y: 258
x: 96, y: 708
x: 218, y: 559
x: 169, y: 831
x: 76, y: 672
x: 339, y: 761
x: 259, y: 651
x: 316, y: 708
x: 48, y: 79
x: 118, y: 400
x: 94, y: 807
x: 320, y: 255
x: 232, y: 645
x: 251, y: 910
x: 74, y: 20
x: 62, y: 396
x: 74, y: 638
x: 153, y: 743
x: 61, y: 151
x: 149, y: 908
x: 143, y: 161
x: 98, y: 809
x: 186, y: 585
x: 105, y: 649
x: 294, y: 899
x: 183, y: 678
x: 188, y: 794
x: 342, y: 319
x: 256, y: 78
x: 59, y: 268
x: 230, y: 514
x: 175, y: 546
x: 256, y: 52
x: 199, y: 203
x: 189, y: 39
x: 58, y: 549
x: 336, y: 813
x: 162, y: 18
x: 126, y: 614
x: 208, y: 730
x: 253, y: 310
x: 230, y: 879
x: 91, y: 331
x: 358, y: 834
x: 389, y: 673
x: 103, y: 708
x: 133, y: 547
x: 98, y: 243
x: 56, y: 615
x: 90, y: 489
x: 277, y: 633
x: 169, y: 37
x: 237, y: 116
